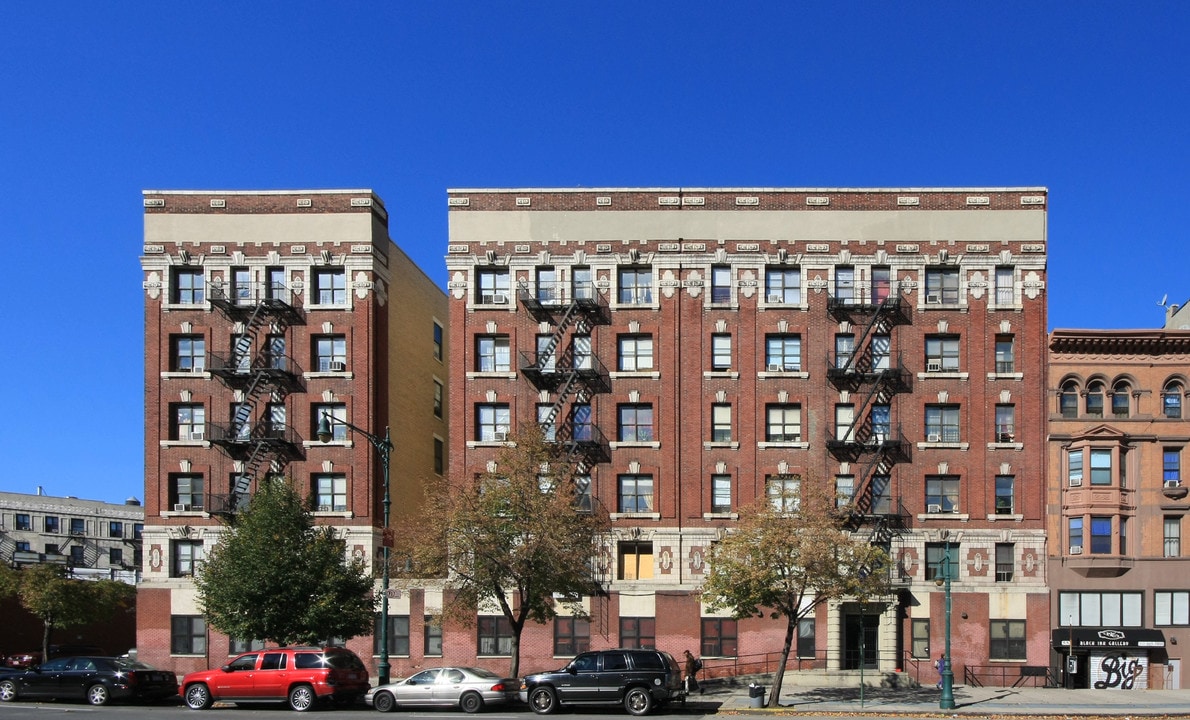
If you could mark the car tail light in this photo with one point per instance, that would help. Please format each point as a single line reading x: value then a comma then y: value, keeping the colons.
x: 498, y: 687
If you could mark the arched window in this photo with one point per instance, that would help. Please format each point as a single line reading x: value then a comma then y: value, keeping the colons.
x: 1171, y: 400
x: 1095, y: 399
x: 1121, y: 395
x: 1068, y: 399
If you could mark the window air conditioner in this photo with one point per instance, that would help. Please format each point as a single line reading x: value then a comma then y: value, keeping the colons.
x: 325, y: 508
x: 197, y: 435
x: 933, y: 508
x: 1005, y: 437
x: 775, y: 299
x: 776, y: 367
x: 1172, y: 483
x: 500, y: 299
x: 500, y: 436
x: 934, y: 437
x: 1076, y: 481
x: 1076, y: 549
x: 181, y: 507
x: 933, y: 366
x: 338, y: 366
x: 933, y: 299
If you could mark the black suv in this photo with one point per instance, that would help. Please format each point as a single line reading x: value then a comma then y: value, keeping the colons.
x: 639, y: 679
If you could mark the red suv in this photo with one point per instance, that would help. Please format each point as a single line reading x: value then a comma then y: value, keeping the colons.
x: 298, y: 675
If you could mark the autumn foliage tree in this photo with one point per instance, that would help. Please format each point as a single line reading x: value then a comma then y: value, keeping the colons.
x: 790, y: 553
x: 515, y: 539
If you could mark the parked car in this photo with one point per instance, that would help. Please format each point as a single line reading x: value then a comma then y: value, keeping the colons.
x: 33, y: 657
x: 300, y: 676
x: 98, y: 680
x: 468, y: 688
x: 640, y: 680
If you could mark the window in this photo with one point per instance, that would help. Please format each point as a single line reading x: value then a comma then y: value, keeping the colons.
x: 274, y: 352
x: 1171, y: 401
x: 1171, y: 536
x: 938, y: 565
x: 881, y: 423
x: 1171, y: 607
x: 547, y: 420
x: 437, y: 341
x: 1095, y: 399
x: 1101, y: 472
x: 881, y: 352
x: 398, y: 635
x: 783, y: 424
x: 636, y: 423
x: 720, y: 423
x: 137, y: 531
x: 638, y: 633
x: 844, y: 490
x: 783, y: 285
x: 1100, y: 609
x: 636, y: 286
x: 1074, y: 529
x: 330, y: 493
x: 1005, y: 354
x: 942, y: 286
x: 582, y: 283
x: 942, y: 493
x: 784, y: 492
x: 24, y: 521
x: 189, y: 353
x: 493, y: 287
x: 78, y: 526
x: 494, y: 635
x: 783, y: 353
x: 636, y: 561
x: 880, y: 494
x: 115, y: 529
x: 115, y: 557
x: 844, y: 422
x: 1005, y: 423
x: 845, y: 284
x: 330, y: 353
x: 582, y: 429
x: 337, y: 419
x: 844, y: 349
x: 881, y: 283
x: 636, y: 494
x: 942, y: 353
x: 236, y: 646
x: 571, y: 636
x: 1101, y: 534
x: 720, y: 493
x: 942, y: 423
x: 806, y: 642
x: 1005, y: 495
x: 1007, y: 640
x: 1004, y: 293
x: 720, y: 352
x: 432, y: 637
x: 185, y: 557
x: 636, y: 353
x: 719, y: 637
x: 492, y: 422
x: 186, y: 492
x: 720, y: 284
x: 439, y: 456
x: 77, y: 557
x: 189, y: 287
x: 1074, y: 468
x: 1171, y: 466
x: 549, y: 291
x: 492, y: 353
x: 187, y: 635
x: 330, y: 286
x: 544, y: 360
x: 920, y: 638
x: 1068, y: 400
x: 1004, y: 562
x: 438, y: 392
x: 275, y: 286
x: 582, y: 493
x: 51, y: 524
x: 275, y: 415
x: 24, y: 546
x: 190, y: 422
x: 1120, y: 399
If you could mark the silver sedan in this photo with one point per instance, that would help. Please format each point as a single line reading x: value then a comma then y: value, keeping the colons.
x: 466, y: 687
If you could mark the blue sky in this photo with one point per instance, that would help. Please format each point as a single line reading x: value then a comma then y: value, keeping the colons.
x: 99, y: 101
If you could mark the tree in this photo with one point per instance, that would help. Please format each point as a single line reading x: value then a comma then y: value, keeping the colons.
x: 59, y: 601
x: 790, y: 553
x: 517, y: 539
x: 274, y: 575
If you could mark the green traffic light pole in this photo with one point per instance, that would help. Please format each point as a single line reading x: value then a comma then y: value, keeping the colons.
x: 384, y: 448
x: 946, y: 701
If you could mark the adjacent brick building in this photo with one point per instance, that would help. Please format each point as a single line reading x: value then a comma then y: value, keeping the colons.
x: 263, y: 310
x: 699, y: 347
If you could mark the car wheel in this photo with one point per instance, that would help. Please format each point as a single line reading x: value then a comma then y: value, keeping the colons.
x: 383, y: 702
x: 638, y: 701
x: 198, y: 697
x: 543, y: 700
x: 8, y: 691
x: 98, y: 695
x: 471, y: 702
x: 302, y: 697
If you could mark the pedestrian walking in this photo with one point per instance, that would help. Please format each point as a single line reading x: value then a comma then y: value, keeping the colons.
x: 941, y: 667
x: 693, y: 665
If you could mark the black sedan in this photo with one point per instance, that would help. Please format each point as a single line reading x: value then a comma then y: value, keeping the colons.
x: 98, y: 680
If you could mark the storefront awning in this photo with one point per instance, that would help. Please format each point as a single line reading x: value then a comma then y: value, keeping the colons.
x: 1107, y: 638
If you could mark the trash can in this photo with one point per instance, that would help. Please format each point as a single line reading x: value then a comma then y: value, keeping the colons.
x: 756, y: 695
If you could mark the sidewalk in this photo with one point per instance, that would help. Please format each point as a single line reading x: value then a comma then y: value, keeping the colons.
x: 969, y: 701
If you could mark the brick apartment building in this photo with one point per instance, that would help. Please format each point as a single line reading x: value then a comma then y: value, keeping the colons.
x: 263, y: 310
x: 701, y: 347
x: 1118, y: 503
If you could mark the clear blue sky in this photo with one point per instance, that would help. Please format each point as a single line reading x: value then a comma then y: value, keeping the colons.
x: 99, y: 101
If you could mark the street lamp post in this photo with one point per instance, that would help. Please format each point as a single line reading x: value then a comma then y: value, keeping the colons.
x: 946, y: 701
x: 384, y: 448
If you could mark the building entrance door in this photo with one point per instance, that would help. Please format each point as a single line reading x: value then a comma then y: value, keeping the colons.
x: 861, y: 639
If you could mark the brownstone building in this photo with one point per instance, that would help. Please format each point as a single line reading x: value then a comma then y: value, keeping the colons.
x: 1118, y: 504
x: 700, y: 349
x: 263, y: 311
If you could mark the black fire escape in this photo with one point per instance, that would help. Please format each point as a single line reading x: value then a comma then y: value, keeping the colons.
x: 265, y: 376
x: 872, y: 376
